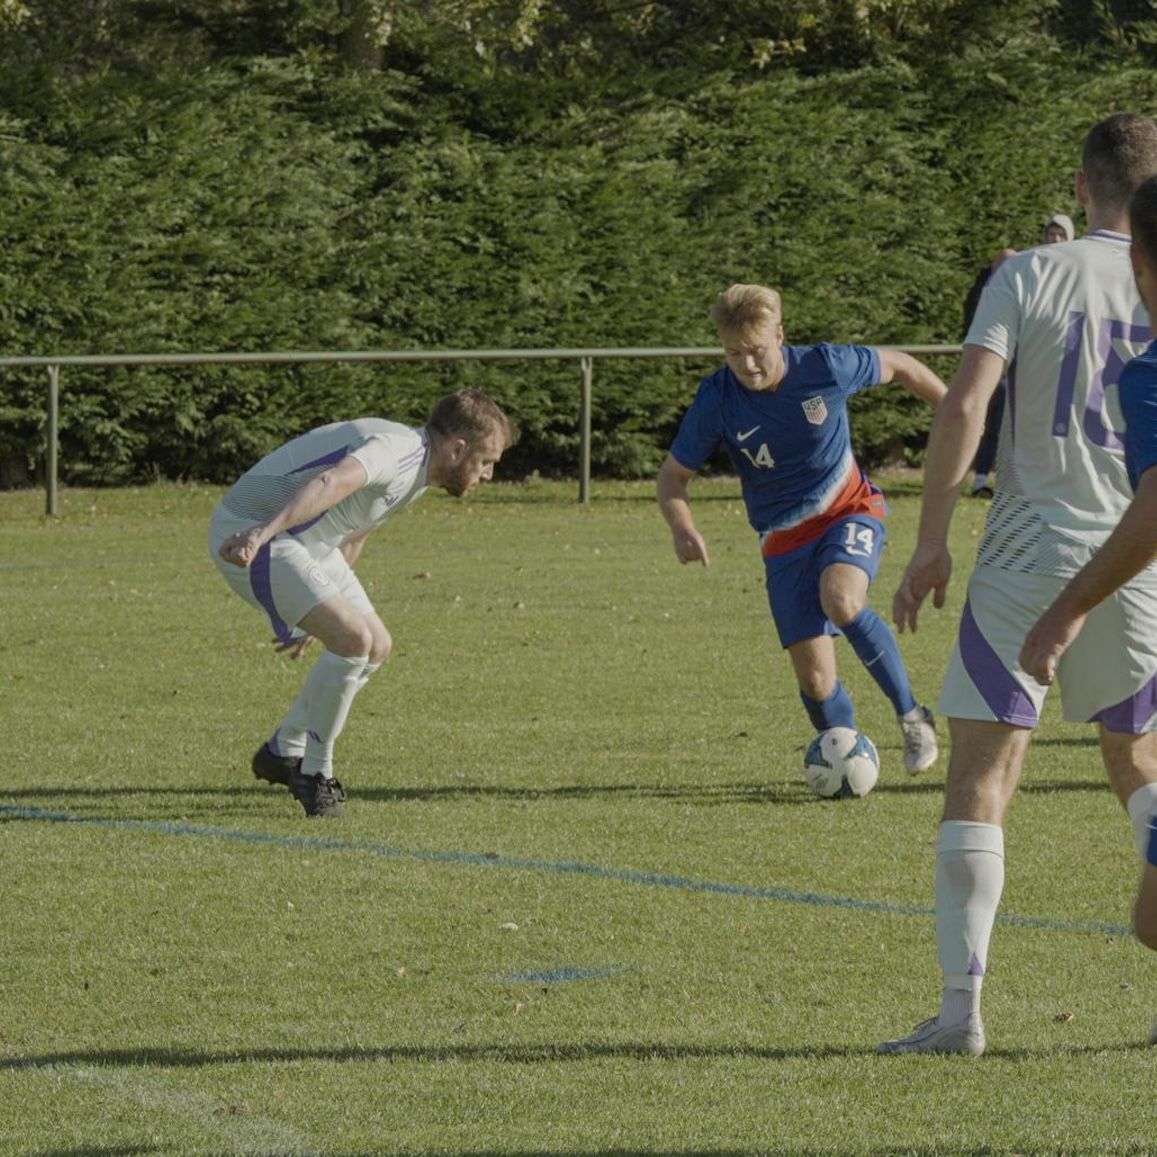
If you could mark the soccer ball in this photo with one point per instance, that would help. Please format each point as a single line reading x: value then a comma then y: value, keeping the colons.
x: 840, y: 763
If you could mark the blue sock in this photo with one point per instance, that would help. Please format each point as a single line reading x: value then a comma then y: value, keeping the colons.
x: 876, y: 646
x: 834, y: 711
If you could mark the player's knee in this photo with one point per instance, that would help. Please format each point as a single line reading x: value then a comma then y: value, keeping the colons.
x: 381, y: 646
x: 351, y: 640
x: 841, y: 606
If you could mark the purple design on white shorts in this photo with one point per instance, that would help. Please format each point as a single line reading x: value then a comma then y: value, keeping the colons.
x: 1151, y: 853
x: 975, y: 968
x: 1005, y: 697
x: 1131, y: 716
x: 262, y: 587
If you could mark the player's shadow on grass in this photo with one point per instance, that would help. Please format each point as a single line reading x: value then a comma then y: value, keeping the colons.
x: 777, y: 793
x: 176, y: 1058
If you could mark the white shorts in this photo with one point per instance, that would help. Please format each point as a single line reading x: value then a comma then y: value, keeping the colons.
x: 285, y: 581
x: 1108, y: 675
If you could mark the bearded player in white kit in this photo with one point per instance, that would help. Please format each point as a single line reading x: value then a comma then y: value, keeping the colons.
x: 1071, y: 316
x: 285, y: 537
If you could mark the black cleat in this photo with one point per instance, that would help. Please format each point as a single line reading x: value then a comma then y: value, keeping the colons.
x: 320, y: 797
x: 274, y: 768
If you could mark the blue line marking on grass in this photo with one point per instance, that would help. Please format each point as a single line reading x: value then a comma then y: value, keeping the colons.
x: 552, y: 867
x: 559, y: 975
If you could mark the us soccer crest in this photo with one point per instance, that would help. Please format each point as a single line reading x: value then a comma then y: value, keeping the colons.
x: 815, y: 410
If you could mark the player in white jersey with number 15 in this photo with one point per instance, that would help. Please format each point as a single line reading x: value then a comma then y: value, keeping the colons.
x: 1071, y: 317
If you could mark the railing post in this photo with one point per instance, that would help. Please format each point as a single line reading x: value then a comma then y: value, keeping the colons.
x: 50, y: 463
x: 588, y: 368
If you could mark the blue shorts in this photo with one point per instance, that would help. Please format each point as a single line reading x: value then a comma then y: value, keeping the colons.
x: 793, y: 579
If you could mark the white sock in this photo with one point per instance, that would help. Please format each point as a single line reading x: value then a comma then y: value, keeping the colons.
x: 1142, y: 807
x: 367, y: 671
x: 288, y: 739
x: 330, y: 689
x: 979, y: 481
x: 969, y: 881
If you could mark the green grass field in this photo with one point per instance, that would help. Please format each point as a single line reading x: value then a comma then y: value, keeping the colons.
x: 581, y: 901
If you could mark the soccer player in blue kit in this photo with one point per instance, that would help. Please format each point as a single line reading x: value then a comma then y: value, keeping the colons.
x: 1130, y: 550
x: 781, y: 414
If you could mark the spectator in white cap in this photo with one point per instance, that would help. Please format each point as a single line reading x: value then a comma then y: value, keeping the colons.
x: 1059, y: 227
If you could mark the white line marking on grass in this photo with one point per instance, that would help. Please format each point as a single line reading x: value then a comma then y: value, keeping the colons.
x: 240, y: 1134
x: 558, y: 868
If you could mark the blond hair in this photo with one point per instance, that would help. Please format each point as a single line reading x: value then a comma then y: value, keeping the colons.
x: 741, y: 309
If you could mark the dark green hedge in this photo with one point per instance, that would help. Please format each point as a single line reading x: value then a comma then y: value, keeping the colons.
x: 288, y: 205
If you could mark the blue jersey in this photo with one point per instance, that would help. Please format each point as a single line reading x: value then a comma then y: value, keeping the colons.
x: 1137, y: 393
x: 790, y: 446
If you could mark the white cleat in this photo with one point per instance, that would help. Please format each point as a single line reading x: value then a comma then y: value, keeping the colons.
x: 931, y: 1036
x: 920, y: 747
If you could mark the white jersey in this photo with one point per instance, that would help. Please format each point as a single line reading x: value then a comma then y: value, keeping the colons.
x: 1067, y: 317
x: 395, y: 461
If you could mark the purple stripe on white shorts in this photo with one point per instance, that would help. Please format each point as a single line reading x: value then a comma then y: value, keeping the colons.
x: 1005, y: 697
x: 262, y: 586
x: 1131, y: 716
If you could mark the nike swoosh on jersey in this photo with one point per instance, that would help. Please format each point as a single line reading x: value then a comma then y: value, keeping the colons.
x: 742, y: 437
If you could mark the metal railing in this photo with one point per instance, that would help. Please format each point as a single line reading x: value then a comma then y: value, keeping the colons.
x: 584, y: 356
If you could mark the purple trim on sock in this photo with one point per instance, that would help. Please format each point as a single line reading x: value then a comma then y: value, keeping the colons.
x: 1151, y: 853
x: 325, y: 460
x: 1132, y: 715
x: 975, y: 968
x: 262, y: 586
x: 998, y: 687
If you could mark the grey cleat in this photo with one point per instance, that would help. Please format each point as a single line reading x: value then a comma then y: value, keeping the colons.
x: 930, y: 1036
x: 920, y: 747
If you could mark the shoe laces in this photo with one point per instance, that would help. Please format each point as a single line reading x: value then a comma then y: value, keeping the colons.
x: 331, y: 788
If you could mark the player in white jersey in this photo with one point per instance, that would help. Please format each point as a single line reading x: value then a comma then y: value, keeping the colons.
x: 1130, y: 551
x: 1070, y: 315
x: 285, y: 537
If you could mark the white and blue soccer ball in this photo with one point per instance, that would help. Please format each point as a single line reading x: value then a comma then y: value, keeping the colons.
x: 841, y: 763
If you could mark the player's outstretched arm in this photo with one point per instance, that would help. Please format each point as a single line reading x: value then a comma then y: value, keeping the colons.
x: 673, y: 481
x: 1127, y: 551
x: 952, y: 443
x: 905, y: 370
x: 309, y: 502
